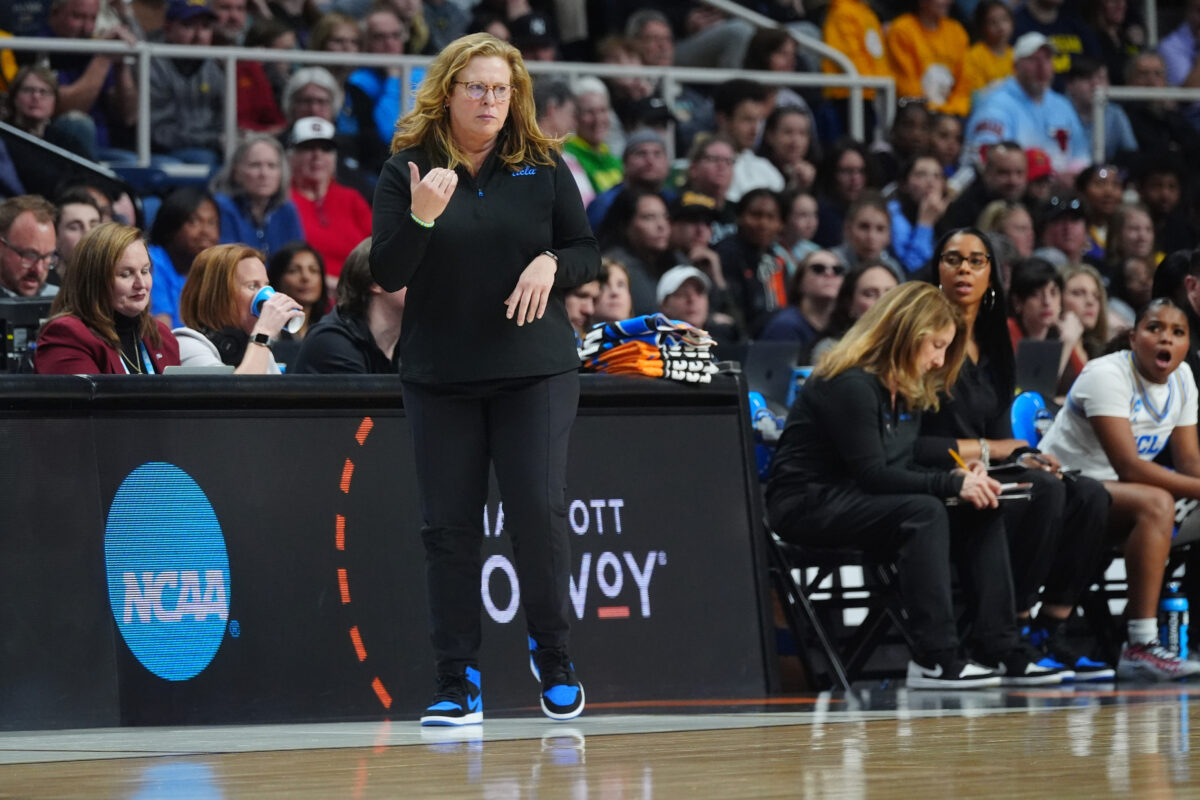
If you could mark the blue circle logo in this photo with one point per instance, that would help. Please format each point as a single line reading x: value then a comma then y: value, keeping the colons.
x: 168, y: 571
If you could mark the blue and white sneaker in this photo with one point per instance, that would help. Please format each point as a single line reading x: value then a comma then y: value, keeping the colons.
x: 1053, y: 643
x: 458, y: 700
x: 562, y: 693
x: 1025, y: 666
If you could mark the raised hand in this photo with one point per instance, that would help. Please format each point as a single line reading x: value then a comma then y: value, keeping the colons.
x: 1070, y: 329
x: 276, y: 312
x: 431, y: 194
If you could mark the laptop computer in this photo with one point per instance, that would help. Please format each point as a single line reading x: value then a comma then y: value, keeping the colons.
x: 768, y: 369
x: 217, y: 369
x: 1037, y: 367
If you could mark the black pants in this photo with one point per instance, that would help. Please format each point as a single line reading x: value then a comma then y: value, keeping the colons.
x: 520, y: 427
x: 924, y: 536
x: 1056, y: 538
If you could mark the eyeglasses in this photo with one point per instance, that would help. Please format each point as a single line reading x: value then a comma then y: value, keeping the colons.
x: 827, y: 269
x: 977, y: 261
x: 36, y: 91
x: 31, y: 258
x: 477, y: 91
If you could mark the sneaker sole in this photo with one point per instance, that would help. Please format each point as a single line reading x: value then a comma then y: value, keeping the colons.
x: 941, y: 683
x: 570, y: 714
x: 436, y: 720
x: 1097, y: 675
x: 1149, y: 674
x: 1032, y: 680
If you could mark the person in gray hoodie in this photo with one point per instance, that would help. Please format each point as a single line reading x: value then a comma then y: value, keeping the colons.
x: 187, y: 96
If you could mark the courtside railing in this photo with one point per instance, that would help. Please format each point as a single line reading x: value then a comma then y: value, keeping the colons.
x: 1104, y: 94
x: 673, y: 78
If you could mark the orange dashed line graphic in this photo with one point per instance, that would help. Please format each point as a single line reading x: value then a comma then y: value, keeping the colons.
x: 339, y: 539
x: 382, y: 693
x: 612, y: 612
x: 359, y: 648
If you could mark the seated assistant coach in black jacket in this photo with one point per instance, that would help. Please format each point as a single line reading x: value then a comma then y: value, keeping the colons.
x: 477, y: 215
x: 845, y: 475
x: 359, y: 336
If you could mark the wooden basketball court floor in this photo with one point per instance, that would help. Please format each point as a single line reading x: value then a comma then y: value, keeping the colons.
x: 1102, y: 741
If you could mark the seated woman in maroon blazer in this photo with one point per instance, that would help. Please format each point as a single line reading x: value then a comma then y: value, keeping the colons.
x: 100, y: 322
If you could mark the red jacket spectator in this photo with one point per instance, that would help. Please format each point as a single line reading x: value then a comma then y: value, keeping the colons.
x: 257, y: 109
x: 66, y: 346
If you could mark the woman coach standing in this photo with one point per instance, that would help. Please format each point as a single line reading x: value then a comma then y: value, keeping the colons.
x: 476, y: 214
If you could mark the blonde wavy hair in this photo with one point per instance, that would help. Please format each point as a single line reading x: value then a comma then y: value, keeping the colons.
x: 520, y: 142
x: 887, y: 340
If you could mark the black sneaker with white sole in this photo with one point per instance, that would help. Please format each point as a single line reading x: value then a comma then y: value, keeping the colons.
x: 457, y: 701
x: 950, y: 673
x: 1052, y: 641
x: 562, y: 693
x: 1026, y: 666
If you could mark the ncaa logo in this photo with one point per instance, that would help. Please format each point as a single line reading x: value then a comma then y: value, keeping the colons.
x: 168, y: 571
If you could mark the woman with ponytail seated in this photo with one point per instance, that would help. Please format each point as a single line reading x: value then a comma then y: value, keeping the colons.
x: 100, y: 322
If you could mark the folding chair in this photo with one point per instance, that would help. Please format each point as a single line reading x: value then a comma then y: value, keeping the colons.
x: 810, y: 615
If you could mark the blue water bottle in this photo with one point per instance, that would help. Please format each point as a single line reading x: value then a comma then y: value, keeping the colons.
x: 1174, y: 632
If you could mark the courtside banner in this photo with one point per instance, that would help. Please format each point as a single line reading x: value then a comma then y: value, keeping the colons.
x: 236, y: 560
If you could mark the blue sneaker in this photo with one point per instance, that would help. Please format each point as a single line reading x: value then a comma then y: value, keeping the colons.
x: 537, y: 676
x: 1053, y: 642
x: 562, y: 694
x: 458, y: 700
x: 1024, y: 665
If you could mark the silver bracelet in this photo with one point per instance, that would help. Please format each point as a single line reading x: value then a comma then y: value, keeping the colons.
x: 985, y: 453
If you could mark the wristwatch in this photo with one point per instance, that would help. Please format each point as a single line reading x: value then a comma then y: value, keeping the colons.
x: 261, y: 339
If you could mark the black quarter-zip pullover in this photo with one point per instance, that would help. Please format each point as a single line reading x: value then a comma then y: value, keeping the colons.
x: 460, y: 272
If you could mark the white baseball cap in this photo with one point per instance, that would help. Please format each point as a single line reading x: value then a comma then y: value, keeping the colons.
x: 312, y: 129
x: 1029, y: 43
x: 675, y: 277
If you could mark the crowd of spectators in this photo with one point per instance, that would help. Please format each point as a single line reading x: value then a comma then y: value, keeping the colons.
x: 744, y: 180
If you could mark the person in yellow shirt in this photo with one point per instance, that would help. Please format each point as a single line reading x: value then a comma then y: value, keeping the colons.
x: 991, y: 58
x: 8, y: 64
x: 853, y: 28
x: 926, y: 52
